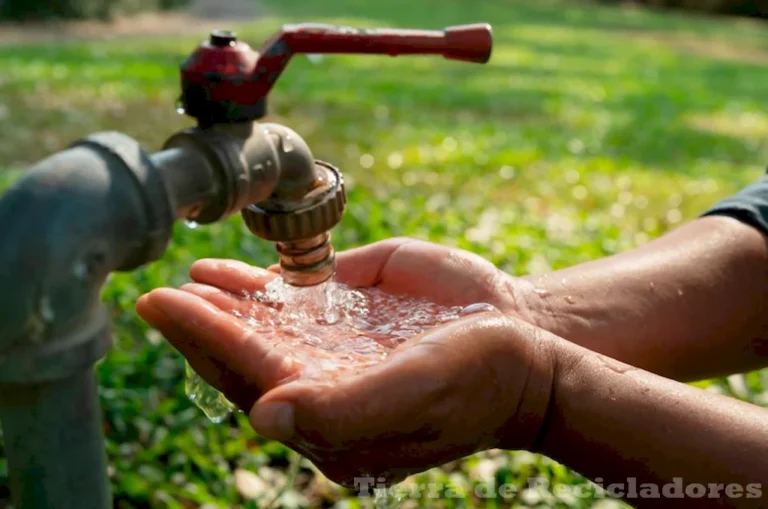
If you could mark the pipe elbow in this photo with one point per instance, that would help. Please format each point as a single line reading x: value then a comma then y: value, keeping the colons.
x: 97, y: 207
x: 298, y: 173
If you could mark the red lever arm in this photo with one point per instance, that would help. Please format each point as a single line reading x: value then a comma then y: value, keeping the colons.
x: 224, y: 80
x: 469, y: 43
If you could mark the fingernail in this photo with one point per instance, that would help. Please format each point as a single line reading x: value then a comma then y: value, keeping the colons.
x: 273, y: 420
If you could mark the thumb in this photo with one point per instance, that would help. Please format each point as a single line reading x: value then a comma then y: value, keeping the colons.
x: 388, y: 399
x: 378, y: 402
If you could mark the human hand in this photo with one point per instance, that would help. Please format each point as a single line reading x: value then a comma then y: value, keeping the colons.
x: 416, y: 268
x: 478, y: 383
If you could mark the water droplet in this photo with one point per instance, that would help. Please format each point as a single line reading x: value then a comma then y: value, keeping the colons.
x: 288, y: 144
x: 180, y: 108
x: 542, y: 292
x: 258, y: 167
x: 570, y: 300
x: 191, y: 224
x: 480, y: 307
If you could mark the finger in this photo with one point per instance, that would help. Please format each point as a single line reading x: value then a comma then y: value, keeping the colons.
x: 233, y: 386
x: 228, y: 302
x: 418, y: 268
x: 223, y: 337
x: 230, y: 275
x: 400, y: 398
x: 359, y: 409
x: 363, y: 266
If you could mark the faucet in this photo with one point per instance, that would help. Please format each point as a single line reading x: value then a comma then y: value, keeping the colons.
x: 104, y: 204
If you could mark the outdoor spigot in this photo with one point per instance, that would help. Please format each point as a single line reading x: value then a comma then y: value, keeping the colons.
x: 284, y: 194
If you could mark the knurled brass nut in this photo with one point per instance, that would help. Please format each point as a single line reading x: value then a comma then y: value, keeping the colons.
x: 315, y: 219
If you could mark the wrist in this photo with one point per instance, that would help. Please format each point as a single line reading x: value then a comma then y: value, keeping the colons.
x: 536, y: 302
x: 523, y: 428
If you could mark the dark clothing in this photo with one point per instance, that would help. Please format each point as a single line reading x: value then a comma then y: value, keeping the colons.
x: 750, y: 205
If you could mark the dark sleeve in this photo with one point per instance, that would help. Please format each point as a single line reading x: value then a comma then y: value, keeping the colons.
x: 750, y: 205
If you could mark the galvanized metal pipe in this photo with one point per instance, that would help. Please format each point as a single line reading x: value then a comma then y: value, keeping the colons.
x: 55, y: 444
x: 102, y: 205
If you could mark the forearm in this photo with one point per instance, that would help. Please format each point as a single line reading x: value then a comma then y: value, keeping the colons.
x: 627, y: 426
x: 689, y: 305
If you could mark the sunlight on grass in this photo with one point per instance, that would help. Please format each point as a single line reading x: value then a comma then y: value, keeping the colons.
x: 749, y: 126
x: 591, y: 131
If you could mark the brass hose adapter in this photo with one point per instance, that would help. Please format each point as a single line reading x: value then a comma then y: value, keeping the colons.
x: 301, y: 227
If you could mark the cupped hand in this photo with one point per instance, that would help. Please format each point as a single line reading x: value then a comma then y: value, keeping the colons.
x: 477, y: 383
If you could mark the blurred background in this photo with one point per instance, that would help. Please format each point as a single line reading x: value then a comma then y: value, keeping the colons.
x: 596, y: 127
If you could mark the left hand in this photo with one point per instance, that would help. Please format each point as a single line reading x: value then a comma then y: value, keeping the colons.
x: 478, y: 383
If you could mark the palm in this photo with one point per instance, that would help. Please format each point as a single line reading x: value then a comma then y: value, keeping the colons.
x: 199, y: 320
x: 443, y: 275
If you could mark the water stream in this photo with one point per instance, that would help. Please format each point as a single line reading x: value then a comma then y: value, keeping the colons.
x: 333, y: 331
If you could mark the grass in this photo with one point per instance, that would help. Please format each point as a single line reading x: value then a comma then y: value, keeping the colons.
x: 591, y: 131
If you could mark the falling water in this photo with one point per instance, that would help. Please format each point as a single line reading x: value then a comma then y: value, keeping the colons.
x: 334, y: 331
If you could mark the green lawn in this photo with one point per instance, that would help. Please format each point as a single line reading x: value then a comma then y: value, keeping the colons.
x: 591, y: 131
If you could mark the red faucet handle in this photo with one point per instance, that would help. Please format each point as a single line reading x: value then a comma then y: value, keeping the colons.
x: 470, y: 43
x: 225, y: 80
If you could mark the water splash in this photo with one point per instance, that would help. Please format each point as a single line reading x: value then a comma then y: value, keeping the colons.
x: 191, y: 224
x: 288, y: 145
x: 332, y: 330
x: 213, y: 403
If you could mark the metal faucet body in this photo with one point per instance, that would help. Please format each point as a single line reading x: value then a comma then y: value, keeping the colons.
x: 268, y: 174
x: 106, y: 205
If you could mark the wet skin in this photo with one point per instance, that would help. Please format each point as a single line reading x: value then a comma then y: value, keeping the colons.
x: 522, y: 379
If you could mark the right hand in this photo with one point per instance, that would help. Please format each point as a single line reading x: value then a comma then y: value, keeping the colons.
x: 416, y: 268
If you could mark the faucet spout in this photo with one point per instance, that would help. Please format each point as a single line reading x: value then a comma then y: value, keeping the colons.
x: 268, y: 173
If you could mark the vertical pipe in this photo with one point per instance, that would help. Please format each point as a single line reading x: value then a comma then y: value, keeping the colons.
x: 55, y: 444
